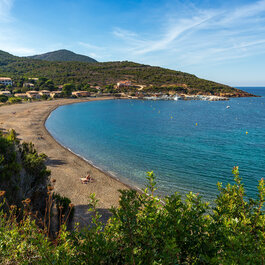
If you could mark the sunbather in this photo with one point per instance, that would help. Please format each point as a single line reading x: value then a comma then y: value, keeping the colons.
x: 86, y: 179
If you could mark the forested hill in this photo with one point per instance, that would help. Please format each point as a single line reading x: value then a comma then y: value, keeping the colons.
x: 102, y: 74
x: 63, y: 55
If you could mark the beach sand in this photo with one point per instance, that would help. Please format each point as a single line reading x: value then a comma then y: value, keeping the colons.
x: 28, y: 120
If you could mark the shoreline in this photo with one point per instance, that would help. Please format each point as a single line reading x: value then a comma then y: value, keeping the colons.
x: 67, y: 167
x: 83, y: 158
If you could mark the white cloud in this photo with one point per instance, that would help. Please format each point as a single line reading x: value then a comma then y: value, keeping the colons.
x: 201, y: 36
x: 9, y: 36
x: 5, y: 8
x: 17, y: 50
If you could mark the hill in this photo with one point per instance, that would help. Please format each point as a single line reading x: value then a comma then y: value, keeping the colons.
x: 6, y: 58
x: 63, y: 56
x: 156, y: 79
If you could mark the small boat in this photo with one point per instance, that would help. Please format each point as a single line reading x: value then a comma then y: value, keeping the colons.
x: 176, y: 97
x: 227, y: 107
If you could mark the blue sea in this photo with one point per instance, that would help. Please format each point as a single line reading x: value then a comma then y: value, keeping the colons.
x: 190, y: 145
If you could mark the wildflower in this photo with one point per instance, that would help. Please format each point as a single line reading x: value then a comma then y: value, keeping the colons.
x: 27, y: 201
x: 2, y: 193
x: 71, y: 205
x: 13, y: 207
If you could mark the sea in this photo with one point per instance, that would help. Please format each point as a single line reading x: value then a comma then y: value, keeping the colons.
x: 189, y: 145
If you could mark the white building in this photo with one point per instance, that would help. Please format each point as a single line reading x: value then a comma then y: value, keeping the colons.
x: 33, y: 94
x: 28, y: 85
x: 6, y: 81
x: 21, y: 95
x: 6, y: 93
x: 45, y: 93
x: 55, y: 94
x: 125, y: 83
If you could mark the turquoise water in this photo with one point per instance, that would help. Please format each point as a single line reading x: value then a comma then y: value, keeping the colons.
x: 129, y: 137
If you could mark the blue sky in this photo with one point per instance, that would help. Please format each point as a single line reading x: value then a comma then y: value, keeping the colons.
x: 222, y: 41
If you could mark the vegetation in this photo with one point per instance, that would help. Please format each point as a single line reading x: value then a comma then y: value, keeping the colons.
x: 146, y: 230
x: 63, y: 55
x: 13, y: 100
x: 68, y: 89
x: 23, y: 173
x: 3, y: 98
x: 83, y: 75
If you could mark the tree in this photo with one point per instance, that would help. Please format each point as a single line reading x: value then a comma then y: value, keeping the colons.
x: 3, y: 98
x: 68, y: 89
x: 49, y: 85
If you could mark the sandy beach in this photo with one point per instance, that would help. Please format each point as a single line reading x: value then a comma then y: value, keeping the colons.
x: 28, y: 121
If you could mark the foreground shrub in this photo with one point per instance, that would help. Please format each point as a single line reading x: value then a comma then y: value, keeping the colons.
x: 146, y: 230
x: 23, y: 242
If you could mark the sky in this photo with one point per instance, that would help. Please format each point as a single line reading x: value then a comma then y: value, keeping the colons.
x: 223, y: 41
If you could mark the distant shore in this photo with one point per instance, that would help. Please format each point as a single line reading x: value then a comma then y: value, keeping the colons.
x: 28, y: 120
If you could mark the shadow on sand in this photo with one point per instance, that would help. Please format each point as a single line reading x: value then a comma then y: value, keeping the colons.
x: 84, y: 217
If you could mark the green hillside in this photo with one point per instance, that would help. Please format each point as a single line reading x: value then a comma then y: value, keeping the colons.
x: 63, y: 55
x: 154, y: 78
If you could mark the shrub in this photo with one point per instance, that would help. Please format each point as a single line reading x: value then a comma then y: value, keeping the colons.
x: 147, y: 230
x: 13, y: 100
x: 63, y: 205
x: 33, y: 162
x: 3, y: 98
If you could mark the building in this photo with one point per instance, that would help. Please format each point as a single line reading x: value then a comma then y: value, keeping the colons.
x: 30, y: 85
x: 96, y: 87
x: 81, y: 93
x: 55, y: 94
x: 21, y: 95
x: 45, y: 93
x: 6, y: 81
x: 5, y: 93
x: 125, y: 83
x: 33, y: 94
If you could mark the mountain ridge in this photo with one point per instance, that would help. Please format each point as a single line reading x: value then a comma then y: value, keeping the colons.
x: 63, y: 55
x: 106, y: 74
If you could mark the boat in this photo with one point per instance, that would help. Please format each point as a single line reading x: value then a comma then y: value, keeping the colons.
x: 176, y: 97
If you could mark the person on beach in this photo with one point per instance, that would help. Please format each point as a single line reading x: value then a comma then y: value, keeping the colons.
x: 86, y: 179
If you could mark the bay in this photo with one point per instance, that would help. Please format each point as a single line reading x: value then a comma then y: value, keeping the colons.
x: 190, y: 145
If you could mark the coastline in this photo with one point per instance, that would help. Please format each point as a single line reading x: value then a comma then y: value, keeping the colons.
x: 67, y: 167
x: 129, y: 186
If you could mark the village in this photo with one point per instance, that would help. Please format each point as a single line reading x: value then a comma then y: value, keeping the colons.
x: 122, y: 89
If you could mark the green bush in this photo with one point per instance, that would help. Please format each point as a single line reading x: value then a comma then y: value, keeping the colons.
x: 13, y: 100
x: 22, y: 171
x: 147, y: 230
x: 63, y: 205
x: 34, y: 163
x: 3, y: 98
